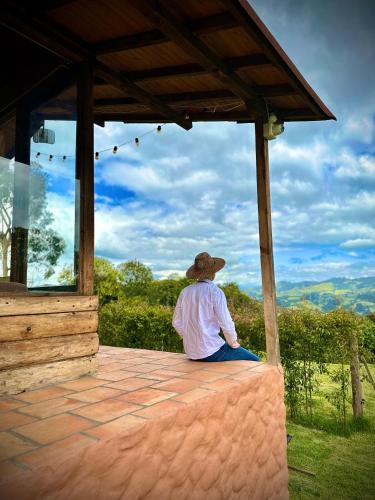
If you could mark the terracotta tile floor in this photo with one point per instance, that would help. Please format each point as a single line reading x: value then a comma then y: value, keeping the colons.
x: 131, y: 387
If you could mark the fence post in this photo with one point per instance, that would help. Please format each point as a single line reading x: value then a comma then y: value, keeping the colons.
x: 357, y: 393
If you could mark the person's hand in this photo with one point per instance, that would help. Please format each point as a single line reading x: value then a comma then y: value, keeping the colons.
x: 235, y: 345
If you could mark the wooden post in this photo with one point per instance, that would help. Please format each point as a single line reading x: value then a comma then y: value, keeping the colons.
x: 369, y: 376
x: 355, y: 372
x: 20, y: 217
x: 85, y: 175
x: 265, y: 241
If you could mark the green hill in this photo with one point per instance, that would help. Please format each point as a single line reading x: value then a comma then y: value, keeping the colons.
x: 356, y: 294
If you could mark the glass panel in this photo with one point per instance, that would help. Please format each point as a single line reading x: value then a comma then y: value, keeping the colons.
x: 39, y: 210
x: 37, y: 217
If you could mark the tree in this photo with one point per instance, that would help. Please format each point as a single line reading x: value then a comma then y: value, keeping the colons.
x: 166, y: 292
x: 239, y: 301
x: 45, y: 245
x: 66, y: 276
x: 135, y: 278
x: 106, y: 278
x: 6, y: 197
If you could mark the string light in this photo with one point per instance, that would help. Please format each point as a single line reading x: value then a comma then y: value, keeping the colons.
x: 114, y: 149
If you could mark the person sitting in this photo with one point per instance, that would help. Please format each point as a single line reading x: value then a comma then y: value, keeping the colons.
x: 201, y: 311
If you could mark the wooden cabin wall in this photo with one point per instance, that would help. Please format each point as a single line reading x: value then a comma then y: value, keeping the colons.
x: 46, y: 340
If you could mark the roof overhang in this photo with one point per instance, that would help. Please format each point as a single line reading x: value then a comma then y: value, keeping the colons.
x: 155, y: 61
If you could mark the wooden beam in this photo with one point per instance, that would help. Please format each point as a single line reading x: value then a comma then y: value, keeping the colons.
x: 20, y: 215
x: 47, y: 325
x: 128, y: 87
x: 238, y: 116
x: 202, y: 116
x: 266, y: 245
x: 209, y: 24
x: 157, y: 118
x: 265, y: 90
x: 31, y: 304
x: 99, y: 123
x: 171, y: 98
x: 292, y: 115
x: 176, y: 31
x: 43, y: 32
x: 47, y: 349
x: 85, y: 175
x: 129, y: 42
x: 235, y: 63
x: 277, y: 90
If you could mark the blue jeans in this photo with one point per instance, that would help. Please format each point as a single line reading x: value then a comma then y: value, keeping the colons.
x: 227, y: 353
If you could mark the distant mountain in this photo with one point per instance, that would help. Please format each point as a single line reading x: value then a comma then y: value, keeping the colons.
x: 356, y: 294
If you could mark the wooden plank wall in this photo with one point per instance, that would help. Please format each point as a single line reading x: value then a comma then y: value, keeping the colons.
x: 46, y: 340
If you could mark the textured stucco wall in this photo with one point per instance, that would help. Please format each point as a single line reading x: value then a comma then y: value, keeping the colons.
x: 229, y: 445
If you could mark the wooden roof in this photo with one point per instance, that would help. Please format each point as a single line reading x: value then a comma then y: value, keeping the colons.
x: 154, y: 61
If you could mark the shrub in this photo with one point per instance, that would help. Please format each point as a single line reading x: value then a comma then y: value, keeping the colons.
x: 166, y: 292
x: 138, y: 325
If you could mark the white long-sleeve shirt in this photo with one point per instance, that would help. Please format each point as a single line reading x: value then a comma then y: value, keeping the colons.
x: 200, y: 312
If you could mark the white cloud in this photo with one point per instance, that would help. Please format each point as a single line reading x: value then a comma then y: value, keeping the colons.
x: 196, y: 190
x: 360, y: 127
x: 353, y: 167
x: 359, y: 243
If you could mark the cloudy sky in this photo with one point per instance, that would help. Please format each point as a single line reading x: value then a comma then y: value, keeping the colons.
x: 181, y: 192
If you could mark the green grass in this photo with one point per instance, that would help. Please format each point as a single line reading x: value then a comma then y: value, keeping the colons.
x: 342, y: 459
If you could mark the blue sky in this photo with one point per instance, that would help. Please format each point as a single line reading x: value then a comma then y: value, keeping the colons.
x: 181, y: 192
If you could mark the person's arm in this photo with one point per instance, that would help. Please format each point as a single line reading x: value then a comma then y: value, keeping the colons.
x: 225, y: 320
x: 177, y: 318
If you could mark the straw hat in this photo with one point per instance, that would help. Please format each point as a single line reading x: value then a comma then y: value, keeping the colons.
x: 204, y: 266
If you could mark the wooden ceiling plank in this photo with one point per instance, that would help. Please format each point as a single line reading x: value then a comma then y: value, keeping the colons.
x: 206, y: 25
x: 176, y: 31
x: 128, y: 87
x: 65, y: 45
